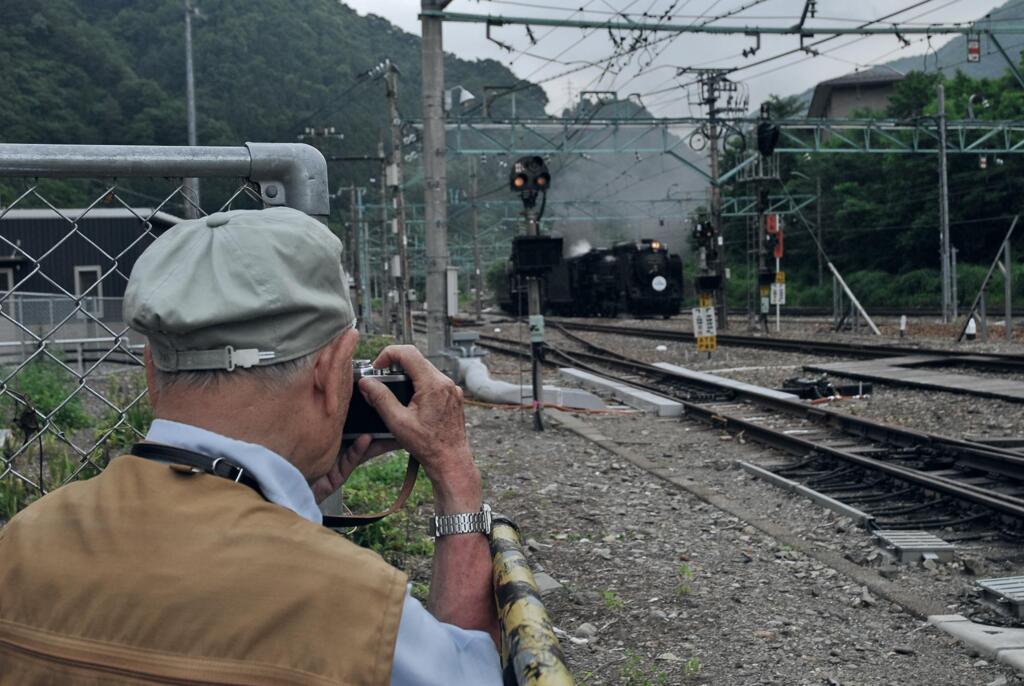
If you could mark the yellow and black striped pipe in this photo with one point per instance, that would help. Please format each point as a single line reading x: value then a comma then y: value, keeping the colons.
x: 530, y: 653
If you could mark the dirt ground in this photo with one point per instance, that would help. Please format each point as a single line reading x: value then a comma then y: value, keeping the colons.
x: 661, y: 587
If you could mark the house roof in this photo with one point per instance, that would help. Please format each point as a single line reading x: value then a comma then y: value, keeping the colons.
x: 94, y: 213
x: 860, y: 79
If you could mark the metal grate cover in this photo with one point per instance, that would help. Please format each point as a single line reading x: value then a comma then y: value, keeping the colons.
x: 911, y: 546
x: 1005, y: 593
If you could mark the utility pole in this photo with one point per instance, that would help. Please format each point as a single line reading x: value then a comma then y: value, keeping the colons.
x: 474, y: 183
x: 945, y: 252
x: 385, y: 253
x: 192, y: 183
x: 821, y: 246
x: 360, y: 269
x: 436, y: 183
x: 722, y: 311
x: 1008, y: 290
x: 713, y: 83
x: 394, y: 176
x: 365, y: 312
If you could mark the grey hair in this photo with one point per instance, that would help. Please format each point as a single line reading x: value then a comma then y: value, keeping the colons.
x: 271, y: 377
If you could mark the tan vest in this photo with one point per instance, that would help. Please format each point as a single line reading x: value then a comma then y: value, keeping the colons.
x: 144, y: 575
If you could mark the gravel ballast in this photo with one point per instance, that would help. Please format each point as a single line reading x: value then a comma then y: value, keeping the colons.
x: 659, y: 583
x: 661, y: 587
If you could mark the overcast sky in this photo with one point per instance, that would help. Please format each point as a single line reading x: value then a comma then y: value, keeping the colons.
x: 658, y: 84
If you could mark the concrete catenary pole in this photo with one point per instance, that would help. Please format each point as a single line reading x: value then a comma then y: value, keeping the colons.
x: 398, y: 195
x: 474, y: 182
x: 821, y: 245
x: 191, y: 184
x: 385, y: 252
x: 365, y: 312
x: 945, y: 253
x: 716, y: 212
x: 436, y: 183
x: 353, y: 245
x: 1008, y: 290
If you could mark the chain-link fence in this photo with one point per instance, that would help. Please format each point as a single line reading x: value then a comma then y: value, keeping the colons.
x: 73, y: 221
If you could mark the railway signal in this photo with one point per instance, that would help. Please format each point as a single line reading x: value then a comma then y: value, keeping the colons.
x: 708, y: 280
x: 530, y: 178
x: 776, y: 281
x: 974, y: 47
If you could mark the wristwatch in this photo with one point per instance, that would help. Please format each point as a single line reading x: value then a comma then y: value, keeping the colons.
x: 461, y: 523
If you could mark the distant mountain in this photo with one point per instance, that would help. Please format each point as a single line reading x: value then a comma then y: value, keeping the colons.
x: 952, y: 56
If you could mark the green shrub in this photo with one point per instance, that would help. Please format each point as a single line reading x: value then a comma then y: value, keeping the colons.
x: 636, y: 673
x: 612, y: 601
x: 370, y: 345
x: 373, y: 487
x: 13, y: 496
x: 46, y: 385
x: 127, y: 391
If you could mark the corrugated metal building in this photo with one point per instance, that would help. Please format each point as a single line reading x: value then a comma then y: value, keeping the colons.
x: 84, y: 252
x: 840, y: 97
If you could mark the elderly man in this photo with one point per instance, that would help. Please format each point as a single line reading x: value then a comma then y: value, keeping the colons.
x: 201, y: 558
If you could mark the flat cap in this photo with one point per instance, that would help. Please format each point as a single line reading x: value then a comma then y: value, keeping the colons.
x: 237, y: 289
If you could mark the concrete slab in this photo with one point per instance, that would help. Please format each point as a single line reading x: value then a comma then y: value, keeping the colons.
x: 634, y: 397
x: 1004, y: 644
x: 685, y: 373
x: 546, y: 583
x: 908, y: 371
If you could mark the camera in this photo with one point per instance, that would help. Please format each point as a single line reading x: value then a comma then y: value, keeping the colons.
x: 363, y: 419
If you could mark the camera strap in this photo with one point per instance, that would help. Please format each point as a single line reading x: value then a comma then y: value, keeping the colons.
x: 345, y: 521
x: 226, y: 469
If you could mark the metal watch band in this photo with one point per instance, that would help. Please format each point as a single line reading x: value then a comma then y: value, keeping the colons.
x: 461, y: 523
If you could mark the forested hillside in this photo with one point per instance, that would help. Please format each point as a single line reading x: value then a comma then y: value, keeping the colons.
x: 113, y: 71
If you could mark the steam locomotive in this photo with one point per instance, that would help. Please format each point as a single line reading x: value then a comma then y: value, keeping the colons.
x: 639, y: 278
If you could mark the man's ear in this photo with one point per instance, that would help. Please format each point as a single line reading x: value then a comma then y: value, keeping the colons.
x: 329, y: 372
x: 154, y: 392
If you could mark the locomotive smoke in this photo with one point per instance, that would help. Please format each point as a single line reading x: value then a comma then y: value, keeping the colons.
x: 597, y: 201
x: 580, y: 247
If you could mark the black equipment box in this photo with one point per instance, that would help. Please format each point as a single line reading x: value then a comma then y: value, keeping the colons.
x: 533, y: 255
x: 711, y: 282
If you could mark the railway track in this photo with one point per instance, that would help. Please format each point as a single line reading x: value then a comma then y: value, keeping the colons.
x: 858, y: 350
x: 897, y: 478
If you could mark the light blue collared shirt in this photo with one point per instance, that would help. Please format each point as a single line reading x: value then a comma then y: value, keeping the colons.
x: 427, y: 652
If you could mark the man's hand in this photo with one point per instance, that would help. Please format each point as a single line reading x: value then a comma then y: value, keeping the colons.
x: 432, y: 428
x: 362, y: 449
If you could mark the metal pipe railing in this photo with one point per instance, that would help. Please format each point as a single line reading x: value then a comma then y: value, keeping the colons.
x: 530, y: 652
x: 289, y: 174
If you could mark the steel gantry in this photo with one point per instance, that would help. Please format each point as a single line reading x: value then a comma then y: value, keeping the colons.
x: 682, y: 137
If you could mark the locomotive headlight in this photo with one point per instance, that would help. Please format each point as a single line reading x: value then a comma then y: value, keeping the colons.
x: 655, y: 245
